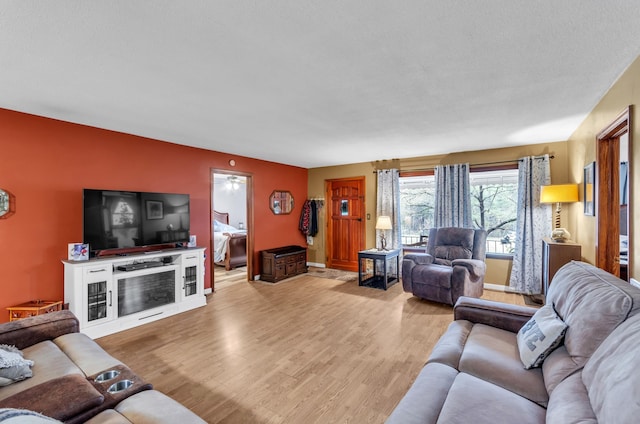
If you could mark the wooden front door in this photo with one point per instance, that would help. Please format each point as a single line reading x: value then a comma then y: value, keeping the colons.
x: 346, y: 225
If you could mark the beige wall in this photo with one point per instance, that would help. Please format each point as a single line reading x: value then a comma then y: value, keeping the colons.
x: 497, y: 270
x: 582, y: 145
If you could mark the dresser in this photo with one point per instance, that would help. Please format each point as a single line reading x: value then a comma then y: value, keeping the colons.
x: 554, y: 256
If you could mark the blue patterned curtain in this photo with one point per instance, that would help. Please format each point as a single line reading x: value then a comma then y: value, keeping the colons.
x: 533, y: 223
x: 388, y: 203
x: 453, y: 196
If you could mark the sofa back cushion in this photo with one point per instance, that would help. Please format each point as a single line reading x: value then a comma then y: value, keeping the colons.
x: 449, y: 243
x: 592, y: 303
x: 612, y: 375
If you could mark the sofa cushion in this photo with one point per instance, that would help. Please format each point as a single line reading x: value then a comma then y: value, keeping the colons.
x: 473, y: 400
x: 86, y: 353
x: 569, y: 403
x: 49, y: 363
x: 424, y: 400
x: 540, y: 336
x: 108, y: 416
x: 491, y: 354
x: 153, y: 407
x: 592, y: 303
x: 612, y: 375
x: 454, y: 243
x: 433, y: 275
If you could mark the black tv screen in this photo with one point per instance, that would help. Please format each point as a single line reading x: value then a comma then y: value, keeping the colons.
x: 128, y: 219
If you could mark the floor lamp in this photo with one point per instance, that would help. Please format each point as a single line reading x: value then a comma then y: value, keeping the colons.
x: 559, y: 193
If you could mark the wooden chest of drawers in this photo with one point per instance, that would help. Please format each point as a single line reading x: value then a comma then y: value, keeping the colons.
x: 283, y: 262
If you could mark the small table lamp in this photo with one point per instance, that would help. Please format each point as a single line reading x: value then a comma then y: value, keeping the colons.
x: 383, y: 224
x: 559, y: 193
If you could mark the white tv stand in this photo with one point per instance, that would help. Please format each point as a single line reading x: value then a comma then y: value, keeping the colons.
x: 115, y: 293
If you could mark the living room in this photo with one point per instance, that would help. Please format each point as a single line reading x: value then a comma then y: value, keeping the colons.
x: 48, y: 162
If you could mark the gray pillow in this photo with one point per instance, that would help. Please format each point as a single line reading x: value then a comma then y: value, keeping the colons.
x: 540, y: 336
x: 13, y: 366
x: 21, y: 416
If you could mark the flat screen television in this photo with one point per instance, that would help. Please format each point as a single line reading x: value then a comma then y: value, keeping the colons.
x: 130, y: 219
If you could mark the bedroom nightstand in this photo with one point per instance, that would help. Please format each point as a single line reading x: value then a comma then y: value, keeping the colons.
x: 33, y: 308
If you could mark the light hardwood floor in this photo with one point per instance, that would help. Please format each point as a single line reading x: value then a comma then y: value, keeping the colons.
x: 306, y: 350
x: 225, y: 278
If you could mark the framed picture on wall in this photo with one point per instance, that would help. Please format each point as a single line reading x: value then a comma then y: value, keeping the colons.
x: 589, y: 187
x: 155, y: 209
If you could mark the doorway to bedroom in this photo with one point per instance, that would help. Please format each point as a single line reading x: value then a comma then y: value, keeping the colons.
x: 230, y: 228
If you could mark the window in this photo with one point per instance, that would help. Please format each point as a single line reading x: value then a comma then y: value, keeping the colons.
x: 417, y: 199
x: 493, y: 200
x: 122, y: 215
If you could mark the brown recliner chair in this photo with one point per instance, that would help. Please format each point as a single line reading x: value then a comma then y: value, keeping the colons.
x: 452, y: 267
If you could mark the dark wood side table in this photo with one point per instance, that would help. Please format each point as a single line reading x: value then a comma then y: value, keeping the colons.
x: 375, y: 268
x: 554, y: 256
x: 31, y: 309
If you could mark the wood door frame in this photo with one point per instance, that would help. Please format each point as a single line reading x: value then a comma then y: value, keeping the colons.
x: 608, y: 194
x: 363, y: 223
x: 249, y: 218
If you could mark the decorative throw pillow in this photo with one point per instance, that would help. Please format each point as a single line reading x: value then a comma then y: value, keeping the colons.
x: 13, y: 367
x: 17, y: 416
x: 540, y: 336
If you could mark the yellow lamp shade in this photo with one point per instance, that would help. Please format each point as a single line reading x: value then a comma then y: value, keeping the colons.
x: 559, y: 193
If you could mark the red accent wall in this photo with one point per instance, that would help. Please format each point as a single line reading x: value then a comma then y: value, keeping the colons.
x: 46, y: 163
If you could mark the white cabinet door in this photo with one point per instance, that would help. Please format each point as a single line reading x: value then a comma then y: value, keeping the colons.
x: 97, y: 291
x: 191, y: 263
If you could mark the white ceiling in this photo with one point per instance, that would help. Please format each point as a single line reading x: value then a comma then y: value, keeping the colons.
x: 318, y: 82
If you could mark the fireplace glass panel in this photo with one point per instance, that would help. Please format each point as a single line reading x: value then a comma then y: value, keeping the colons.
x: 136, y: 294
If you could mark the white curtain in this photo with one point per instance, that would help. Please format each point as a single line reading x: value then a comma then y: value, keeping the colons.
x: 453, y: 196
x: 388, y: 203
x: 533, y: 223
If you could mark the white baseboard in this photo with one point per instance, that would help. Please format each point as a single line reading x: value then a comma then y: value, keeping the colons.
x: 498, y: 287
x: 317, y: 265
x: 208, y: 291
x: 634, y: 282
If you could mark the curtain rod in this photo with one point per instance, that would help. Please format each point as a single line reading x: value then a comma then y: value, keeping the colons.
x: 500, y: 162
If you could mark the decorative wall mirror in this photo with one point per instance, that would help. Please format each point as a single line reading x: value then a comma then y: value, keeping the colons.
x: 4, y: 203
x: 281, y: 202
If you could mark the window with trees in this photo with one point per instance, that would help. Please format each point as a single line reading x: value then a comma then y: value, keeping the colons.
x: 493, y: 199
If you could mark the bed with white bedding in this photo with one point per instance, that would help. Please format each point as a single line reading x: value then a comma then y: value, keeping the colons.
x: 229, y: 243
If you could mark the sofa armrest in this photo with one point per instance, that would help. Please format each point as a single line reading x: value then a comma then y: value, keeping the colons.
x: 408, y: 263
x: 475, y: 267
x: 61, y: 398
x: 29, y: 331
x: 496, y: 314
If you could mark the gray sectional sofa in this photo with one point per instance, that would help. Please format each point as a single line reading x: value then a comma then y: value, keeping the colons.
x: 475, y: 373
x: 63, y: 381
